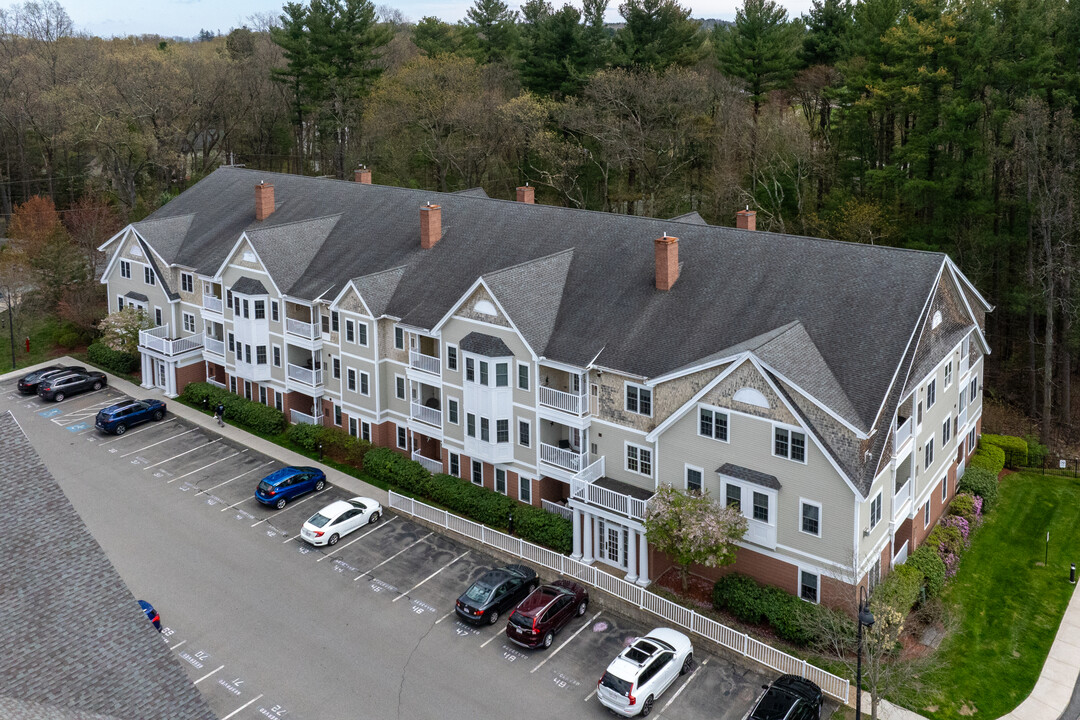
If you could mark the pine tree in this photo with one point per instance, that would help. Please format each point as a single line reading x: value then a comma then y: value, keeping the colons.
x: 657, y: 35
x: 759, y: 48
x: 494, y: 27
x: 557, y: 60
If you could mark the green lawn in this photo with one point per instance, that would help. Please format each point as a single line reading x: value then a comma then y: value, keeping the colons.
x: 43, y: 332
x: 1007, y: 605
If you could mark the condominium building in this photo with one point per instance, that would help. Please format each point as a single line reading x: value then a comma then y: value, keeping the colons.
x: 577, y: 360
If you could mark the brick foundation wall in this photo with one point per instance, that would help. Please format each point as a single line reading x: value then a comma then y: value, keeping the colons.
x: 547, y: 488
x: 195, y: 372
x: 937, y: 507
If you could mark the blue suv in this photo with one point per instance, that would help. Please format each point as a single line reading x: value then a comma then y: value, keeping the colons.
x: 118, y: 418
x: 283, y: 485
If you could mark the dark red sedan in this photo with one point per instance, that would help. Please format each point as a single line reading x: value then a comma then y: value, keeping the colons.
x: 546, y: 610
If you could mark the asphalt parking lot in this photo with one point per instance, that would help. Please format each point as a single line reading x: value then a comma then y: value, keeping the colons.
x: 373, y: 633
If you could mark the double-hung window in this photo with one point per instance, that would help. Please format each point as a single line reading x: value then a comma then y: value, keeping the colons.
x: 931, y: 393
x: 483, y: 372
x: 477, y: 472
x: 455, y: 464
x: 808, y: 586
x: 946, y: 432
x: 948, y: 374
x: 713, y: 423
x: 350, y: 377
x: 761, y: 506
x: 125, y: 269
x: 875, y: 511
x: 500, y: 481
x: 260, y: 355
x: 399, y: 387
x: 365, y: 384
x: 452, y: 411
x: 187, y: 282
x: 694, y: 479
x: 350, y: 331
x: 502, y: 431
x: 790, y: 444
x: 928, y: 454
x: 470, y: 369
x: 524, y: 433
x: 470, y: 425
x: 148, y: 275
x: 189, y: 322
x: 451, y: 357
x: 485, y: 429
x: 639, y: 459
x: 810, y: 522
x: 502, y: 374
x: 336, y: 365
x: 399, y: 338
x: 733, y: 496
x: 260, y: 309
x: 638, y: 399
x: 361, y: 333
x: 523, y: 376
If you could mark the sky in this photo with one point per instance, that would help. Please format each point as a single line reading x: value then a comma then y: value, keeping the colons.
x: 184, y: 18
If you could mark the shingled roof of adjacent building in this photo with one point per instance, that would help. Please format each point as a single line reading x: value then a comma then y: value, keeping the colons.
x: 76, y: 643
x: 857, y: 304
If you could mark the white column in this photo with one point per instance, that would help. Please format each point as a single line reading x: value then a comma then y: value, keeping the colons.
x: 587, y: 540
x: 598, y: 540
x: 170, y: 379
x: 631, y: 556
x: 147, y: 371
x: 643, y: 551
x: 577, y: 534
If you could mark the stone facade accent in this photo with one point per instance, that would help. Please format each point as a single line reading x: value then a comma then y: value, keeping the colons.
x: 746, y: 375
x: 351, y: 303
x: 468, y: 309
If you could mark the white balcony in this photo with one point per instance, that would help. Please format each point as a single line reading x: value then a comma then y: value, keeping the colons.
x: 304, y: 375
x: 902, y: 435
x: 564, y: 401
x: 427, y: 415
x: 425, y: 363
x: 433, y: 466
x: 214, y: 346
x: 306, y: 330
x: 961, y: 419
x: 556, y: 508
x: 305, y: 419
x: 584, y: 489
x: 760, y: 533
x: 212, y: 303
x: 157, y: 339
x: 563, y: 458
x: 901, y: 498
x: 965, y: 361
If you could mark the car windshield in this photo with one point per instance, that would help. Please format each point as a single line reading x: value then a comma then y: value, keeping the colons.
x: 521, y: 620
x: 265, y: 486
x: 774, y: 705
x: 617, y: 684
x: 478, y: 593
x: 318, y: 520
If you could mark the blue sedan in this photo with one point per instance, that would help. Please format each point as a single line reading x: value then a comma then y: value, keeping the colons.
x: 118, y: 418
x: 281, y: 486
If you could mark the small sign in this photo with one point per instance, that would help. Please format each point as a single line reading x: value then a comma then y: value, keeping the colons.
x: 1063, y: 464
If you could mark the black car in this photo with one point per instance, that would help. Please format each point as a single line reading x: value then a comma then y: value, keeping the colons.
x: 496, y: 592
x: 65, y: 384
x: 790, y: 697
x: 28, y: 384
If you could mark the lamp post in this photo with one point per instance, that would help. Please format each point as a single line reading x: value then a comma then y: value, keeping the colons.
x: 865, y: 618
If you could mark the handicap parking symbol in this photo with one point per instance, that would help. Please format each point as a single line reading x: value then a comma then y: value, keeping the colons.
x: 50, y: 412
x: 77, y: 427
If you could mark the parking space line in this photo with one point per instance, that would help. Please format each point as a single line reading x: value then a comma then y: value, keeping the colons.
x: 178, y: 644
x: 392, y: 557
x: 207, y: 675
x: 309, y: 497
x: 565, y: 643
x: 589, y: 696
x: 200, y: 447
x: 683, y: 686
x: 171, y: 437
x: 500, y: 633
x: 242, y: 707
x: 89, y: 410
x: 246, y: 472
x: 430, y: 576
x: 136, y: 432
x: 249, y: 497
x: 359, y: 538
x: 444, y: 617
x: 204, y: 467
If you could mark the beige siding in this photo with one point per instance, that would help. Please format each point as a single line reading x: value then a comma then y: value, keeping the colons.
x: 611, y: 443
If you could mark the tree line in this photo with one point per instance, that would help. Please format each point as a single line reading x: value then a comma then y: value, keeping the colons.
x: 944, y: 125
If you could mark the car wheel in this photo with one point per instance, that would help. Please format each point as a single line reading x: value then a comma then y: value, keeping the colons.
x: 280, y: 503
x: 549, y: 638
x: 493, y: 617
x: 97, y: 385
x: 58, y: 397
x: 320, y: 485
x: 687, y: 664
x: 646, y: 707
x: 333, y: 539
x: 158, y: 414
x: 582, y: 607
x: 374, y: 518
x: 121, y: 429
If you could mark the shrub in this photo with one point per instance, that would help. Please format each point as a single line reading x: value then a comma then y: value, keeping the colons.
x: 544, y: 528
x: 930, y: 565
x: 900, y: 588
x: 1036, y: 451
x: 1015, y: 449
x: 252, y: 415
x: 739, y: 595
x: 946, y: 539
x: 989, y: 457
x: 791, y: 618
x: 336, y: 443
x: 961, y: 525
x: 963, y: 505
x: 114, y: 361
x: 982, y: 482
x: 396, y: 471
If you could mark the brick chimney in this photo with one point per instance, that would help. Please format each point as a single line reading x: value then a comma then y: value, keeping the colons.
x: 264, y: 201
x: 430, y: 225
x: 526, y: 194
x: 667, y: 261
x: 746, y: 219
x: 362, y: 175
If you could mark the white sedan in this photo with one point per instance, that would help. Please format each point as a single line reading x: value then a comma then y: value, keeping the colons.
x: 340, y: 518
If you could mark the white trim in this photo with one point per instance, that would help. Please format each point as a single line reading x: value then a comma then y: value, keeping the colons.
x: 437, y: 329
x: 446, y: 357
x: 361, y: 374
x: 119, y: 232
x: 626, y: 460
x: 727, y: 421
x: 776, y: 425
x: 676, y: 374
x: 232, y: 252
x: 803, y: 501
x: 860, y: 434
x: 456, y: 402
x: 341, y: 294
x: 817, y: 592
x: 626, y: 398
x: 694, y: 401
x: 518, y: 364
x: 524, y: 421
x: 687, y: 467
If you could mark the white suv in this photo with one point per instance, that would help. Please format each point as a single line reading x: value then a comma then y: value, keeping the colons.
x: 642, y: 672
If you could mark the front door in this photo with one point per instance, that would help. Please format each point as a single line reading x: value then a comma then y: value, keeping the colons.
x: 614, y: 541
x: 161, y: 369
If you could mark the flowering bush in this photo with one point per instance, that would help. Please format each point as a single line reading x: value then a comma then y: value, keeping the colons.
x: 961, y: 524
x: 978, y: 507
x: 951, y: 561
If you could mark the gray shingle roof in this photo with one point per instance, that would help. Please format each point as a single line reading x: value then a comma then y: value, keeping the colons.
x: 485, y: 345
x: 131, y: 294
x: 858, y: 304
x: 248, y: 286
x: 378, y: 288
x: 531, y: 294
x: 119, y: 666
x: 691, y: 217
x: 166, y: 235
x: 751, y: 476
x: 473, y: 192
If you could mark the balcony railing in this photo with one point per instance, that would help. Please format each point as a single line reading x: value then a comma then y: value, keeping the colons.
x: 426, y: 363
x: 304, y: 375
x: 212, y: 345
x: 213, y: 303
x: 903, y: 432
x: 582, y: 488
x: 157, y: 339
x: 305, y: 419
x: 563, y: 458
x: 965, y: 361
x: 558, y: 509
x: 215, y: 383
x: 901, y: 497
x: 424, y: 414
x: 564, y: 401
x: 961, y: 419
x: 306, y: 330
x: 433, y: 466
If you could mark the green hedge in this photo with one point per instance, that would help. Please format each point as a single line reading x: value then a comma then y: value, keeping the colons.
x: 472, y: 501
x: 791, y: 618
x: 988, y: 457
x: 241, y: 411
x: 982, y: 482
x: 930, y: 565
x: 334, y: 442
x: 949, y: 537
x: 964, y: 506
x: 113, y: 361
x: 1014, y: 448
x: 900, y: 589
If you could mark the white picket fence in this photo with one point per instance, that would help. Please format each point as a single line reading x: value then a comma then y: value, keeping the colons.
x: 832, y: 685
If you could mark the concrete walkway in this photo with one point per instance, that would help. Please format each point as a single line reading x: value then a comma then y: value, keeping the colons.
x: 1050, y: 700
